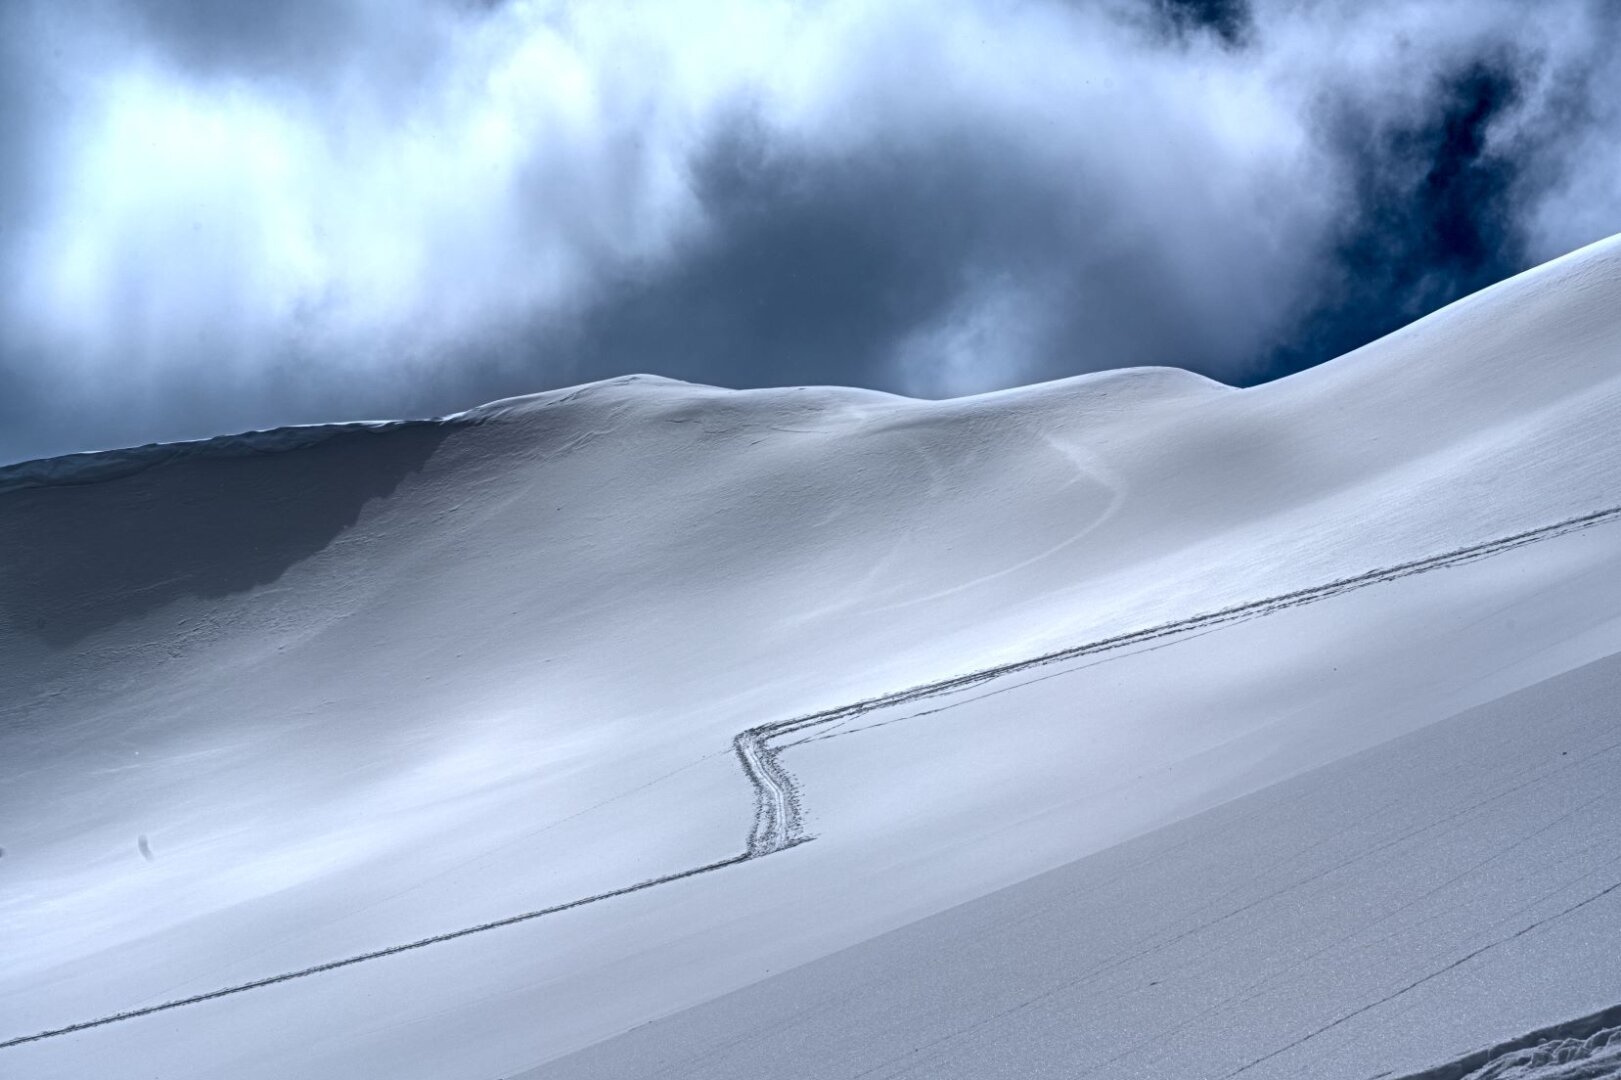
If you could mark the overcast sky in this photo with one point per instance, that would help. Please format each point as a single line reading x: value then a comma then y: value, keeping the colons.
x: 217, y: 216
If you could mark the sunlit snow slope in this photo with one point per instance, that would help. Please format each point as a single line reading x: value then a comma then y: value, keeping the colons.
x: 274, y: 701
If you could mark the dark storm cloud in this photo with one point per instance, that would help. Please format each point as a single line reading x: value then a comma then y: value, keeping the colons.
x: 874, y: 269
x: 1441, y: 199
x: 1229, y: 20
x: 822, y: 271
x: 827, y: 271
x: 219, y: 216
x: 811, y: 273
x: 1435, y: 217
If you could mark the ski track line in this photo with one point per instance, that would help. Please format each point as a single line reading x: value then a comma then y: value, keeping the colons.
x: 778, y: 819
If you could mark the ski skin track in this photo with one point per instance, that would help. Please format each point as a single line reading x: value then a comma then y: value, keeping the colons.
x: 778, y: 819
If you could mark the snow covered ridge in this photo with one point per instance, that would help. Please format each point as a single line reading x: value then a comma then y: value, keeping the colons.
x: 94, y: 466
x: 1592, y: 268
x: 98, y: 465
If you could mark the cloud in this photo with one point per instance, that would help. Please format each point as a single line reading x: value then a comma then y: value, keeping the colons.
x: 1452, y: 148
x: 220, y: 216
x: 1230, y: 20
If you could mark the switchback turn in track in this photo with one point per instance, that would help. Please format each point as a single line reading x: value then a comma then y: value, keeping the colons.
x: 778, y: 821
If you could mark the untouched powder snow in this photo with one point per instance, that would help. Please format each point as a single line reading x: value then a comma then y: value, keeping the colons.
x: 350, y: 688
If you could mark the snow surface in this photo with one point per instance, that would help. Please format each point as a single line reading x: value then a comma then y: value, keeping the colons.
x: 1391, y: 909
x: 355, y: 687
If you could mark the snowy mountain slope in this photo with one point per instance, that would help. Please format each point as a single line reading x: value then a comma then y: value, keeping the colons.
x: 392, y: 682
x: 1371, y: 917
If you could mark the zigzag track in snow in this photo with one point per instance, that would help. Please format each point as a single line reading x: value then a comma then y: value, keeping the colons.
x: 778, y: 819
